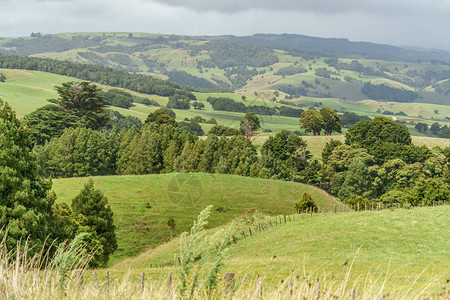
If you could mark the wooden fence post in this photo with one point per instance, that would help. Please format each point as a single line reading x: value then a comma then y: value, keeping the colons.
x: 259, y: 288
x: 229, y: 282
x: 95, y: 279
x: 107, y: 281
x: 284, y: 218
x: 169, y: 282
x: 142, y: 282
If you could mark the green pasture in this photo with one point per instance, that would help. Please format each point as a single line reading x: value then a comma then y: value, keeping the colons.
x: 143, y: 204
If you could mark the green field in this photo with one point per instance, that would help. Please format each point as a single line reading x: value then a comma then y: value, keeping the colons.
x: 143, y: 204
x: 395, y: 246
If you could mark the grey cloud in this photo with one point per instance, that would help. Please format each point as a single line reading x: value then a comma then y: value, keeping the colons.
x: 324, y: 6
x: 400, y: 22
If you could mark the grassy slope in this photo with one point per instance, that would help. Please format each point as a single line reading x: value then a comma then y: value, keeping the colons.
x: 26, y: 91
x: 408, y: 240
x: 183, y: 196
x: 399, y: 244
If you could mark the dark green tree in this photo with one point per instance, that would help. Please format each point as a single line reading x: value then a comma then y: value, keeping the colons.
x: 249, y: 124
x: 328, y: 149
x: 172, y: 225
x: 192, y: 127
x: 284, y: 155
x: 312, y: 121
x: 162, y: 116
x: 358, y: 181
x: 305, y: 203
x: 331, y: 121
x: 421, y: 127
x: 26, y: 199
x: 83, y: 100
x: 49, y: 122
x: 96, y: 214
x: 380, y: 129
x: 435, y: 127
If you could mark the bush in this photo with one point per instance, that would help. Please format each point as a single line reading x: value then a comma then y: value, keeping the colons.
x: 96, y: 215
x: 305, y: 203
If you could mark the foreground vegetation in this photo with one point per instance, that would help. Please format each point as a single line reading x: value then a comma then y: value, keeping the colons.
x: 266, y: 265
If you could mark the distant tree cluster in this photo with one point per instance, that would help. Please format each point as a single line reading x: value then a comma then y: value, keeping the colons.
x: 184, y: 78
x: 291, y: 70
x: 181, y: 100
x: 355, y: 66
x: 2, y: 77
x: 118, y: 98
x: 227, y: 104
x: 435, y: 129
x: 387, y: 93
x: 323, y: 72
x: 226, y: 54
x: 349, y: 119
x: 239, y: 76
x: 315, y: 121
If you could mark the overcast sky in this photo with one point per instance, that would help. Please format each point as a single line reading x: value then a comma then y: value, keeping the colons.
x: 423, y: 23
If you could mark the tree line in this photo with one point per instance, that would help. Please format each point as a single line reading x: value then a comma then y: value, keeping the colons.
x: 228, y: 104
x: 387, y: 93
x: 162, y: 145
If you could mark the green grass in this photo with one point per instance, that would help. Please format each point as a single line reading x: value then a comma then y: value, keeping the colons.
x: 396, y: 245
x: 404, y: 241
x: 183, y: 196
x: 26, y: 91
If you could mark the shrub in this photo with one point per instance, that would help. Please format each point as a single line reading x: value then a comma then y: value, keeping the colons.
x: 96, y: 215
x: 305, y: 203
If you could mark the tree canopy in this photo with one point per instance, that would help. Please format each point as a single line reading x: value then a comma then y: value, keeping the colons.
x: 26, y: 199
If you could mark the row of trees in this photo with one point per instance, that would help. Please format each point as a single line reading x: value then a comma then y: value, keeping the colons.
x: 435, y: 128
x: 227, y: 104
x: 387, y: 93
x: 163, y: 145
x: 365, y: 169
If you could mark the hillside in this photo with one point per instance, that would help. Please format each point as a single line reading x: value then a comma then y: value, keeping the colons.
x: 142, y: 205
x: 293, y: 70
x: 390, y: 245
x: 27, y: 90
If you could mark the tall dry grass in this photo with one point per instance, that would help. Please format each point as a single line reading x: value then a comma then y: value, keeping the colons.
x: 62, y: 277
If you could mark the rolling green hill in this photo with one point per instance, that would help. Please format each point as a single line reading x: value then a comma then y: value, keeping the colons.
x: 401, y: 249
x: 143, y: 204
x: 266, y: 76
x: 27, y: 90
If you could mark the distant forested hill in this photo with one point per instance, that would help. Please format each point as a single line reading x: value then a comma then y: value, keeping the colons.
x: 270, y: 67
